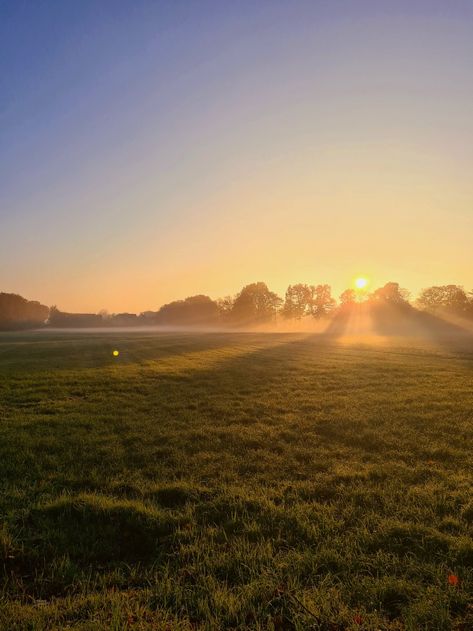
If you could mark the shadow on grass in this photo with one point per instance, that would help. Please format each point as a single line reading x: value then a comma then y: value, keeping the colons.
x: 194, y: 423
x: 99, y: 529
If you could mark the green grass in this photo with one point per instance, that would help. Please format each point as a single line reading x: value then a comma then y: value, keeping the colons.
x: 234, y: 481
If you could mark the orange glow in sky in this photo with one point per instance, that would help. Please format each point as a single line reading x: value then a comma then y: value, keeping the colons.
x: 176, y: 151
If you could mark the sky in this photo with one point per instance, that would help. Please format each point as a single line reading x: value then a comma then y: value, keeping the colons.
x: 152, y: 150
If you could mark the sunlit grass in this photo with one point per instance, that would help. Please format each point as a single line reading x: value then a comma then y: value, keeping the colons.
x: 243, y: 481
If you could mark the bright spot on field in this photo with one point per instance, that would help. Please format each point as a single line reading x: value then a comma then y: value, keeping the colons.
x: 115, y: 353
x: 361, y: 283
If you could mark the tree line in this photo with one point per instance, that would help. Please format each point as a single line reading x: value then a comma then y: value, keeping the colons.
x: 255, y: 304
x: 18, y: 313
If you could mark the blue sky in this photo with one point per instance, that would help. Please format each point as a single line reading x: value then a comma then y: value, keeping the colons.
x: 151, y: 150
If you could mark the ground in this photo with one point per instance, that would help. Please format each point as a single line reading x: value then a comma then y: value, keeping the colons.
x: 235, y: 481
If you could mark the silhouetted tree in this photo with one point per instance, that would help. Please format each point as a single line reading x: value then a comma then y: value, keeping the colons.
x: 17, y: 312
x: 391, y: 293
x: 122, y: 319
x: 448, y: 298
x: 348, y: 297
x: 195, y: 310
x: 298, y: 301
x: 255, y: 303
x: 225, y: 307
x: 321, y: 301
x: 147, y: 317
x: 62, y: 319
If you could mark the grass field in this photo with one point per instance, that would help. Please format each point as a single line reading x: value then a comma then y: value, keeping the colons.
x: 235, y: 481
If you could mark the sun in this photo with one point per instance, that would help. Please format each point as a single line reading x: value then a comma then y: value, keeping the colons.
x: 361, y: 283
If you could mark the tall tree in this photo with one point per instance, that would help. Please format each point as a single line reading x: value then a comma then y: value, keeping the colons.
x: 449, y: 298
x: 321, y: 301
x: 348, y: 297
x: 255, y: 303
x: 225, y: 306
x: 17, y: 312
x: 297, y: 302
x: 194, y: 310
x: 391, y: 293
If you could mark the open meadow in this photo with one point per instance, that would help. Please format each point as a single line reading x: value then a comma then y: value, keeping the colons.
x: 235, y: 481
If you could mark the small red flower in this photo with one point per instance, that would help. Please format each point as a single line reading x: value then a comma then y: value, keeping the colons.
x: 453, y: 580
x: 357, y: 619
